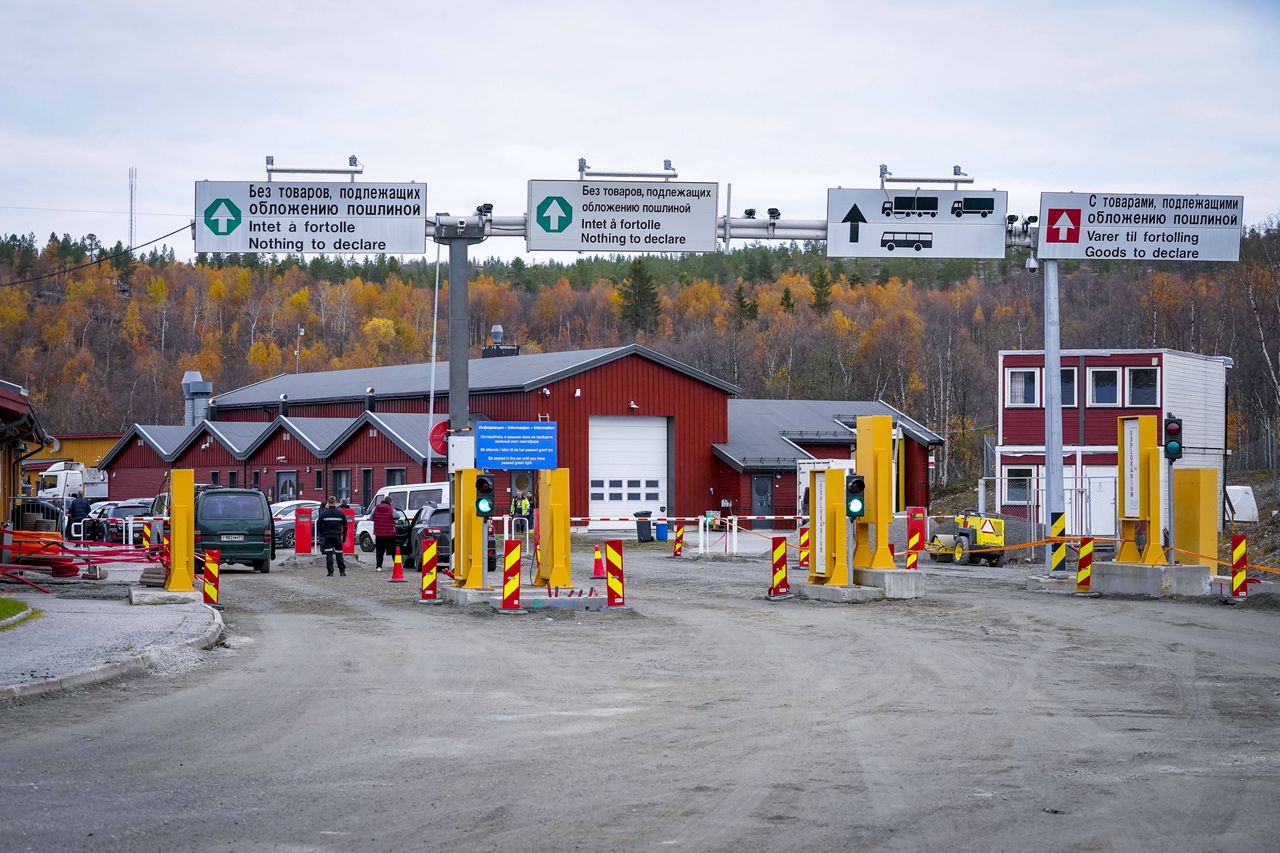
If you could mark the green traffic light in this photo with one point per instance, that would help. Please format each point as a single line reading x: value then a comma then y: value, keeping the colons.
x: 855, y: 506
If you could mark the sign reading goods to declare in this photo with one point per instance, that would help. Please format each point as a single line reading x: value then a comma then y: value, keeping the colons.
x: 1149, y: 227
x: 292, y: 217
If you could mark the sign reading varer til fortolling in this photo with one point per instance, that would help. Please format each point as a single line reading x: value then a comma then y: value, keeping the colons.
x: 1140, y: 226
x: 888, y: 223
x: 622, y: 216
x: 294, y: 217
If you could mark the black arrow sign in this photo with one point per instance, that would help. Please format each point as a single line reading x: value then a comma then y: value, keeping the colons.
x: 854, y: 217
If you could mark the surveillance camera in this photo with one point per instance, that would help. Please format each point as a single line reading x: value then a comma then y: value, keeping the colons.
x: 1032, y: 264
x: 1012, y: 219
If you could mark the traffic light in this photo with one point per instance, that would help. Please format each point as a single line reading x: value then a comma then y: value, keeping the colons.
x: 855, y: 498
x: 1172, y: 438
x: 484, y: 495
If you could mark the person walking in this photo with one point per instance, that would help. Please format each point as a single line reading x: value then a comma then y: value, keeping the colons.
x: 331, y: 524
x: 384, y: 530
x: 77, y: 511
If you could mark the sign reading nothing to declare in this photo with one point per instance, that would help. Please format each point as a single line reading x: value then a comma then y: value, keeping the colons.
x: 515, y: 445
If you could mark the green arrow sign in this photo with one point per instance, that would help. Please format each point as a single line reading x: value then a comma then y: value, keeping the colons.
x: 222, y: 216
x: 554, y: 214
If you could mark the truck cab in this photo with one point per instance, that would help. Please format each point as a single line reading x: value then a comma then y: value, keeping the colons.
x: 61, y: 480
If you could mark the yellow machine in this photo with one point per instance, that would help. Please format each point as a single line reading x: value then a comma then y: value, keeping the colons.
x: 964, y: 538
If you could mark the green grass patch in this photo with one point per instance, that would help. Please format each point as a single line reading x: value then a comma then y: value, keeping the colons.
x: 11, y: 607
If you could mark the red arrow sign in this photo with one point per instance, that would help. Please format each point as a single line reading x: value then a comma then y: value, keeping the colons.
x: 1063, y: 225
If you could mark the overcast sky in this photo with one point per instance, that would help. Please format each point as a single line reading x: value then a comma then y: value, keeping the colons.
x: 781, y: 99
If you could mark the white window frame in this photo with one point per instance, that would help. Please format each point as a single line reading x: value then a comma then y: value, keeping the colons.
x: 1008, y: 386
x: 1093, y: 404
x: 1075, y: 383
x: 1128, y: 387
x: 1031, y: 484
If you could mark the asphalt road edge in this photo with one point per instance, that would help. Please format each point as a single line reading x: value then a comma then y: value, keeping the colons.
x: 134, y: 665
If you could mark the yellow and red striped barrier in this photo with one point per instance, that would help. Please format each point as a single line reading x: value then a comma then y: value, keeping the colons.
x: 511, y: 576
x: 430, y: 571
x: 212, y: 570
x: 779, y: 587
x: 614, y: 582
x: 1239, y: 565
x: 677, y: 549
x: 803, y: 562
x: 1084, y: 565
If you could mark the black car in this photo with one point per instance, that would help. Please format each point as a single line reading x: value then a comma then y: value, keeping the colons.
x: 106, y: 523
x: 437, y: 523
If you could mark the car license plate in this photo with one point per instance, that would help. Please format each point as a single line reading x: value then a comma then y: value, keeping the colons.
x: 233, y: 537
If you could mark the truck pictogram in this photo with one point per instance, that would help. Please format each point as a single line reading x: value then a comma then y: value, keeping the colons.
x: 905, y: 205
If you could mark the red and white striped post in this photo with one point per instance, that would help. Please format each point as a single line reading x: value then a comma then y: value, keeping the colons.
x: 614, y: 582
x: 1239, y: 565
x: 511, y: 576
x: 803, y: 562
x: 779, y: 587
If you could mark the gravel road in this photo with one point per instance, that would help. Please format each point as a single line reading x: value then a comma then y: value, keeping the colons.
x: 342, y: 715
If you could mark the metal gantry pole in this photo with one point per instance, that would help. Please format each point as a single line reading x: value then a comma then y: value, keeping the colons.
x: 459, y: 334
x: 1054, y: 502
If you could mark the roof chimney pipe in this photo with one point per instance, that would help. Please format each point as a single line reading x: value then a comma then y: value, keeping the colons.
x: 370, y: 402
x: 196, y: 394
x: 284, y: 405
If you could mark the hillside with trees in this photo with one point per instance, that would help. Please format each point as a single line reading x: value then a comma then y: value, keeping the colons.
x: 104, y: 346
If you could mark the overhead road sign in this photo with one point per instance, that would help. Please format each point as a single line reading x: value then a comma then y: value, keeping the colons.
x: 1140, y: 226
x: 889, y: 223
x: 515, y: 445
x: 311, y: 218
x: 622, y: 216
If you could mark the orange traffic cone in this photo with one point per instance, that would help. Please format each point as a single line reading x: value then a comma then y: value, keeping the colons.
x: 397, y: 574
x: 598, y: 572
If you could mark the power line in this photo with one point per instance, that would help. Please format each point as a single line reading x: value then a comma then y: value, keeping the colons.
x: 84, y: 210
x: 101, y: 260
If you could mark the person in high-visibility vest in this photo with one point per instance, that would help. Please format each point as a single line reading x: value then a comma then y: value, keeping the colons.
x: 521, y: 505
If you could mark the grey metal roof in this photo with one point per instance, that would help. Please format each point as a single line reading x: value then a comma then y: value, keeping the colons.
x: 165, y: 439
x: 238, y: 436
x: 409, y: 431
x: 485, y: 375
x: 759, y: 429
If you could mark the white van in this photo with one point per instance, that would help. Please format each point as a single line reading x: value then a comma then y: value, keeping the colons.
x: 407, y: 499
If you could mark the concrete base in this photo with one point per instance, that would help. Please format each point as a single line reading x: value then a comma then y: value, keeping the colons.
x: 540, y: 601
x: 1041, y: 583
x: 837, y: 594
x: 896, y: 583
x: 465, y: 597
x: 138, y: 595
x: 1150, y: 581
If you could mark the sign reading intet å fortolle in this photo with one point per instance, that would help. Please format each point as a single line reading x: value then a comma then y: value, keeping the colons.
x: 622, y: 216
x: 1141, y: 227
x: 310, y: 218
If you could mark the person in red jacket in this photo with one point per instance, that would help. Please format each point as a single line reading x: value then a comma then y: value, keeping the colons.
x: 384, y: 530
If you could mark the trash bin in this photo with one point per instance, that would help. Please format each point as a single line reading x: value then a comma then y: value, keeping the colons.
x: 660, y: 527
x: 644, y: 528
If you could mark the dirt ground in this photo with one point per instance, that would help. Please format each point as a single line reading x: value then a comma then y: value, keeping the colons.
x: 343, y: 715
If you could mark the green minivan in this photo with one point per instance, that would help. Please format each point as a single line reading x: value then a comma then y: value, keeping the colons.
x: 237, y: 522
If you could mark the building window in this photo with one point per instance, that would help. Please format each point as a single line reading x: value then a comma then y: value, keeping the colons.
x: 342, y: 485
x: 1021, y: 388
x: 1104, y: 386
x: 319, y: 479
x: 1069, y: 399
x: 1017, y: 485
x: 257, y: 479
x: 1143, y: 386
x: 597, y: 496
x: 396, y: 477
x: 213, y: 478
x: 233, y: 479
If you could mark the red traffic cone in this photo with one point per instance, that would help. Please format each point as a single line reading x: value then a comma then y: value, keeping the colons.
x: 598, y: 571
x: 397, y: 575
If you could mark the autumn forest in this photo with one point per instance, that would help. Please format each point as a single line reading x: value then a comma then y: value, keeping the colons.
x: 105, y: 344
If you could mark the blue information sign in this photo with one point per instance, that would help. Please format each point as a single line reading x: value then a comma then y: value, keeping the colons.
x: 513, y: 445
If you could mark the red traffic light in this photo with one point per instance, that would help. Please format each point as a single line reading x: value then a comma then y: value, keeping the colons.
x: 1173, y: 428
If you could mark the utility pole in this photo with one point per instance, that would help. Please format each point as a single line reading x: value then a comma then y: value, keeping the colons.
x: 459, y: 232
x: 297, y: 350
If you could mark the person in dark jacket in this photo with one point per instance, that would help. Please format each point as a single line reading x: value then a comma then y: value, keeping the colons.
x: 77, y: 511
x: 384, y: 530
x: 331, y: 524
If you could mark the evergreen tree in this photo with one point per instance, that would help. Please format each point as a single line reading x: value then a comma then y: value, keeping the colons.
x: 821, y: 281
x: 639, y: 294
x: 744, y: 310
x: 787, y: 303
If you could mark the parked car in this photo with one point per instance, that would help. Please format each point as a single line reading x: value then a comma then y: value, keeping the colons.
x: 285, y: 516
x: 238, y: 522
x: 437, y: 523
x: 106, y: 521
x: 408, y: 499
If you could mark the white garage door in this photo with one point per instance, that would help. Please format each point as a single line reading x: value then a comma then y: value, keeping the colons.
x: 628, y: 467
